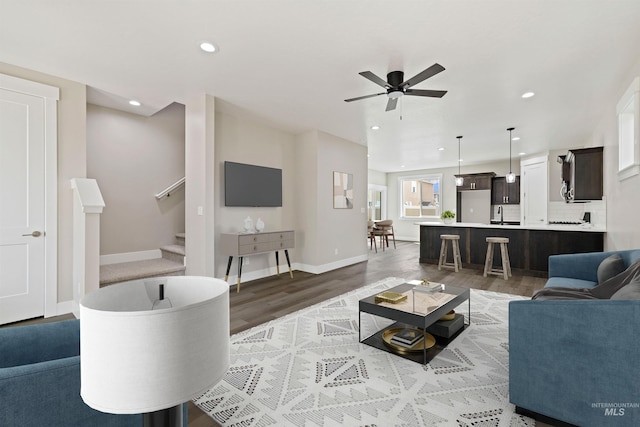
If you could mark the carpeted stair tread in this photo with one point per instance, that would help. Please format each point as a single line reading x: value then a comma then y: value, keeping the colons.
x: 121, y: 272
x: 176, y: 249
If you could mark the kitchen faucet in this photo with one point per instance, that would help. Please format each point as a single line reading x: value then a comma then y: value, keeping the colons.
x: 501, y: 215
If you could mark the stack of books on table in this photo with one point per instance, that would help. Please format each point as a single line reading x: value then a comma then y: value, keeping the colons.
x: 426, y: 286
x: 407, y: 338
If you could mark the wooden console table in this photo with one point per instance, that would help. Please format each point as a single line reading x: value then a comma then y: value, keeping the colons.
x: 246, y: 244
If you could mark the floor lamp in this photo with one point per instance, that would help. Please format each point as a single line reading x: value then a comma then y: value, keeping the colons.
x: 148, y: 346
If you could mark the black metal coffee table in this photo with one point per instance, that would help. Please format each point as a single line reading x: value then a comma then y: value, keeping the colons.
x: 405, y: 317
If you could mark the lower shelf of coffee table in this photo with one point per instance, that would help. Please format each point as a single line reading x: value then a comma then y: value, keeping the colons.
x: 376, y: 340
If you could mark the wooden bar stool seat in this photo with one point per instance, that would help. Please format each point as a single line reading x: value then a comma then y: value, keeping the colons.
x: 444, y: 249
x: 505, y: 270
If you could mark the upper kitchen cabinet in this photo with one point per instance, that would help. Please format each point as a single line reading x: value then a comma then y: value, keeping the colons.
x: 585, y: 177
x: 476, y: 181
x: 503, y: 193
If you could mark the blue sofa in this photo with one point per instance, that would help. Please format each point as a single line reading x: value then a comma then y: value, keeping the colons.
x: 581, y: 270
x: 40, y: 379
x: 576, y: 361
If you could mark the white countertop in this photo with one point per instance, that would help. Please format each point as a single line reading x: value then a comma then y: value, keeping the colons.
x: 550, y: 227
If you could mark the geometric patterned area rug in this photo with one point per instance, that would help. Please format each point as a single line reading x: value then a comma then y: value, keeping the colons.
x: 308, y: 369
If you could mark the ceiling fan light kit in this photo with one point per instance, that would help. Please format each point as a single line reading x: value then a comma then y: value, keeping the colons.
x: 396, y: 86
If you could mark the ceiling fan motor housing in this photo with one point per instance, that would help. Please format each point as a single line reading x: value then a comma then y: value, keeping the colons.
x: 395, y: 79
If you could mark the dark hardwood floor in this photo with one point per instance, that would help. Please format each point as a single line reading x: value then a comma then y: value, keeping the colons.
x: 262, y: 300
x: 266, y: 299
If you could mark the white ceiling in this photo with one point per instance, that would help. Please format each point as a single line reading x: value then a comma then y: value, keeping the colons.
x: 294, y: 62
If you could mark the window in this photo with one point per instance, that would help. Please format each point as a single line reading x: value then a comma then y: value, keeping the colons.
x: 628, y: 110
x: 420, y: 196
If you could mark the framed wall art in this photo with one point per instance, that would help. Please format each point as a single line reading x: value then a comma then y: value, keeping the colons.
x: 342, y: 190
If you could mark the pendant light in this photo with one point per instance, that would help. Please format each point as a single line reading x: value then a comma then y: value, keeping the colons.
x: 459, y: 179
x: 511, y: 177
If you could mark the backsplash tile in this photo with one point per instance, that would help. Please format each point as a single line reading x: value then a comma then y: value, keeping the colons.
x: 510, y: 213
x: 561, y: 211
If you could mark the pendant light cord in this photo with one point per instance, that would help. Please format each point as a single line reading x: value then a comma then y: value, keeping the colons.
x: 510, y: 129
x: 459, y: 138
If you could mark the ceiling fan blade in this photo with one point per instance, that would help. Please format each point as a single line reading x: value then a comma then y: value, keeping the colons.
x: 426, y: 92
x: 377, y: 80
x: 429, y: 72
x: 391, y: 104
x: 364, y: 97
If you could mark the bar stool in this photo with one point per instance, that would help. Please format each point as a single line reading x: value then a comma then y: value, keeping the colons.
x: 455, y: 248
x: 505, y: 270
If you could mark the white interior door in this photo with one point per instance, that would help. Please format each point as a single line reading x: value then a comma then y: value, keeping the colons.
x: 22, y: 206
x: 534, y: 193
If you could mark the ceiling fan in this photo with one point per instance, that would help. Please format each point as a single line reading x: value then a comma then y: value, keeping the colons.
x: 396, y: 86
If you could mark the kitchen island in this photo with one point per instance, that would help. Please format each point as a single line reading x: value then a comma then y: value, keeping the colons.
x: 529, y: 245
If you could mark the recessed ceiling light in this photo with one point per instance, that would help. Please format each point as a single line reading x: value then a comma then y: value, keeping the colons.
x: 521, y: 154
x: 135, y: 103
x: 441, y: 149
x: 375, y: 127
x: 515, y: 138
x: 401, y: 166
x: 528, y: 94
x: 208, y: 47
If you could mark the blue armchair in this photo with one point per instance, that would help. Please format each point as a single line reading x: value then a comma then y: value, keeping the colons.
x: 40, y: 379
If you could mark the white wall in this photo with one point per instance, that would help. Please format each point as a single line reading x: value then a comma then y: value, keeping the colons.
x: 377, y: 177
x: 200, y: 130
x: 622, y: 197
x: 341, y: 233
x: 133, y: 157
x: 405, y: 229
x: 244, y: 139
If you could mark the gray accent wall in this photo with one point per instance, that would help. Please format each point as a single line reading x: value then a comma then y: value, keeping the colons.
x: 307, y: 161
x: 133, y: 157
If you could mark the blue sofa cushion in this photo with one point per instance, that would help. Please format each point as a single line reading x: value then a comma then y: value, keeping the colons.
x: 609, y: 267
x: 630, y: 291
x: 568, y: 282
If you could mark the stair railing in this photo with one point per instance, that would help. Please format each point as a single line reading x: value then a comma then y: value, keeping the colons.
x: 170, y: 189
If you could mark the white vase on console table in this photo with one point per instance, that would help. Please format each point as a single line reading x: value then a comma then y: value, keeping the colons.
x: 259, y: 225
x: 248, y: 225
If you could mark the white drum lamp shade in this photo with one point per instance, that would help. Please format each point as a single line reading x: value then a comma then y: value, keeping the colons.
x: 135, y: 359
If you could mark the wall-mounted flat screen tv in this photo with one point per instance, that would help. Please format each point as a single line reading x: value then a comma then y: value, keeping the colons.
x: 251, y: 185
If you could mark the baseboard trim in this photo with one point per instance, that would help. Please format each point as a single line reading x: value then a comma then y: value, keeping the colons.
x: 313, y: 269
x: 65, y: 307
x: 319, y: 269
x: 130, y: 256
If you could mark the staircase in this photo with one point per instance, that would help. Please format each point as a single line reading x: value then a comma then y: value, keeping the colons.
x: 172, y: 263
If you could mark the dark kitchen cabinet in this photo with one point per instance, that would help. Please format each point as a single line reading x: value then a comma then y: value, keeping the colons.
x: 476, y: 181
x: 586, y: 172
x: 503, y: 193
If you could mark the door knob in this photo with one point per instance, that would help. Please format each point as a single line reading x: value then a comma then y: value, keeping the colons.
x: 34, y: 234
